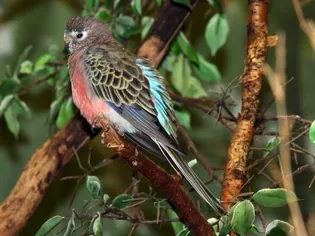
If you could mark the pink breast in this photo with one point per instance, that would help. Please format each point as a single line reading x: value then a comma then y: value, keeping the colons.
x: 90, y: 106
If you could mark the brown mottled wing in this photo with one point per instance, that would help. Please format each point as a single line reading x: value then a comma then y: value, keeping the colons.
x: 115, y: 77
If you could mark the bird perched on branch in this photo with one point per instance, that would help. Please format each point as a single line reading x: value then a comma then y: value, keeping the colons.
x: 128, y: 90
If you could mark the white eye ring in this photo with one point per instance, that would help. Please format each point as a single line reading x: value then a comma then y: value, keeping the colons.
x: 79, y: 35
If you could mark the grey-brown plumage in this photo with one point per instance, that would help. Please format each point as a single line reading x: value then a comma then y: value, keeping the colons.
x: 128, y: 90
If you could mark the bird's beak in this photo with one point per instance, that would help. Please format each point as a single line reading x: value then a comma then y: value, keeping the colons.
x: 66, y: 38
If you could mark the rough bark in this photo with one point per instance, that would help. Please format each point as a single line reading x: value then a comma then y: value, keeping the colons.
x: 49, y: 159
x: 257, y: 31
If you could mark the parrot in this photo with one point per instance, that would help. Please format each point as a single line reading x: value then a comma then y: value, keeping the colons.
x: 108, y: 79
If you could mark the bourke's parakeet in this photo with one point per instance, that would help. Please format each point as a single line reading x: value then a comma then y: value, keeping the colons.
x: 129, y: 91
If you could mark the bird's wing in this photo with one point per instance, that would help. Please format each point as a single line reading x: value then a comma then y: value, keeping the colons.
x: 114, y: 76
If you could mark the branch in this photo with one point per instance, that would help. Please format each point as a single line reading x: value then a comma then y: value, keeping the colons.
x: 257, y: 31
x: 49, y: 159
x: 171, y: 186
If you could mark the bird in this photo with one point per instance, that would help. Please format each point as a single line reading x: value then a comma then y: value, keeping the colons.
x: 108, y: 79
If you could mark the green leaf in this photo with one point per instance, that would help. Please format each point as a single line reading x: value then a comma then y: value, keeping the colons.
x: 206, y: 70
x: 122, y: 201
x: 97, y: 226
x: 105, y: 198
x: 66, y: 112
x: 214, y: 222
x: 254, y: 229
x: 119, y: 6
x: 195, y: 89
x: 216, y: 3
x: 274, y: 197
x: 224, y: 225
x: 49, y: 225
x: 92, y: 4
x: 181, y: 75
x: 216, y: 33
x: 243, y: 217
x: 12, y: 121
x: 159, y: 2
x: 136, y: 6
x: 103, y: 14
x: 126, y: 26
x: 192, y: 163
x: 161, y: 204
x: 272, y: 143
x: 312, y: 133
x: 26, y: 67
x: 146, y: 23
x: 178, y: 227
x: 42, y: 61
x: 186, y: 48
x: 23, y: 107
x: 109, y: 4
x: 22, y: 58
x: 5, y: 103
x: 183, y: 2
x: 169, y: 61
x: 71, y: 225
x: 279, y: 228
x: 183, y: 118
x: 93, y: 185
x: 8, y: 87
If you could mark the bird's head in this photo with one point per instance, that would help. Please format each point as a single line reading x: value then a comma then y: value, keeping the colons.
x: 82, y: 32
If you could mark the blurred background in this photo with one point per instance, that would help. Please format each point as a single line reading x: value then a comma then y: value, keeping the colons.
x: 41, y: 23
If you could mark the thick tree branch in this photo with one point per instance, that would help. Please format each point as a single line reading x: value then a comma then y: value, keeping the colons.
x: 257, y: 31
x: 49, y: 159
x: 171, y: 186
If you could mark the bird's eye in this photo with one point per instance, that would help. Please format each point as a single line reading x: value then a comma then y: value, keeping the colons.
x: 79, y: 35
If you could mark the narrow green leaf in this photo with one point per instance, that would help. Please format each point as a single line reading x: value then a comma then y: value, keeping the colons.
x: 181, y: 75
x: 216, y: 32
x: 136, y: 6
x: 183, y: 118
x: 177, y: 226
x: 279, y: 228
x: 92, y: 4
x: 122, y: 201
x: 271, y: 144
x: 26, y: 67
x: 274, y: 197
x: 243, y: 217
x: 22, y: 58
x: 169, y: 62
x: 119, y: 6
x: 183, y: 2
x: 161, y: 204
x: 109, y: 4
x: 97, y: 226
x: 13, y: 124
x: 224, y: 225
x: 186, y: 48
x: 42, y: 61
x: 65, y: 114
x: 54, y: 108
x: 254, y: 229
x: 71, y: 225
x: 5, y: 103
x: 93, y: 185
x: 105, y: 198
x: 312, y: 133
x: 126, y: 26
x: 159, y: 2
x: 195, y: 89
x: 103, y: 14
x: 49, y: 225
x: 192, y: 163
x: 24, y: 109
x: 206, y: 70
x: 214, y: 222
x: 146, y: 23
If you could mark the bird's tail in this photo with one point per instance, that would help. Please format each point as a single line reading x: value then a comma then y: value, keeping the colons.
x: 178, y: 163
